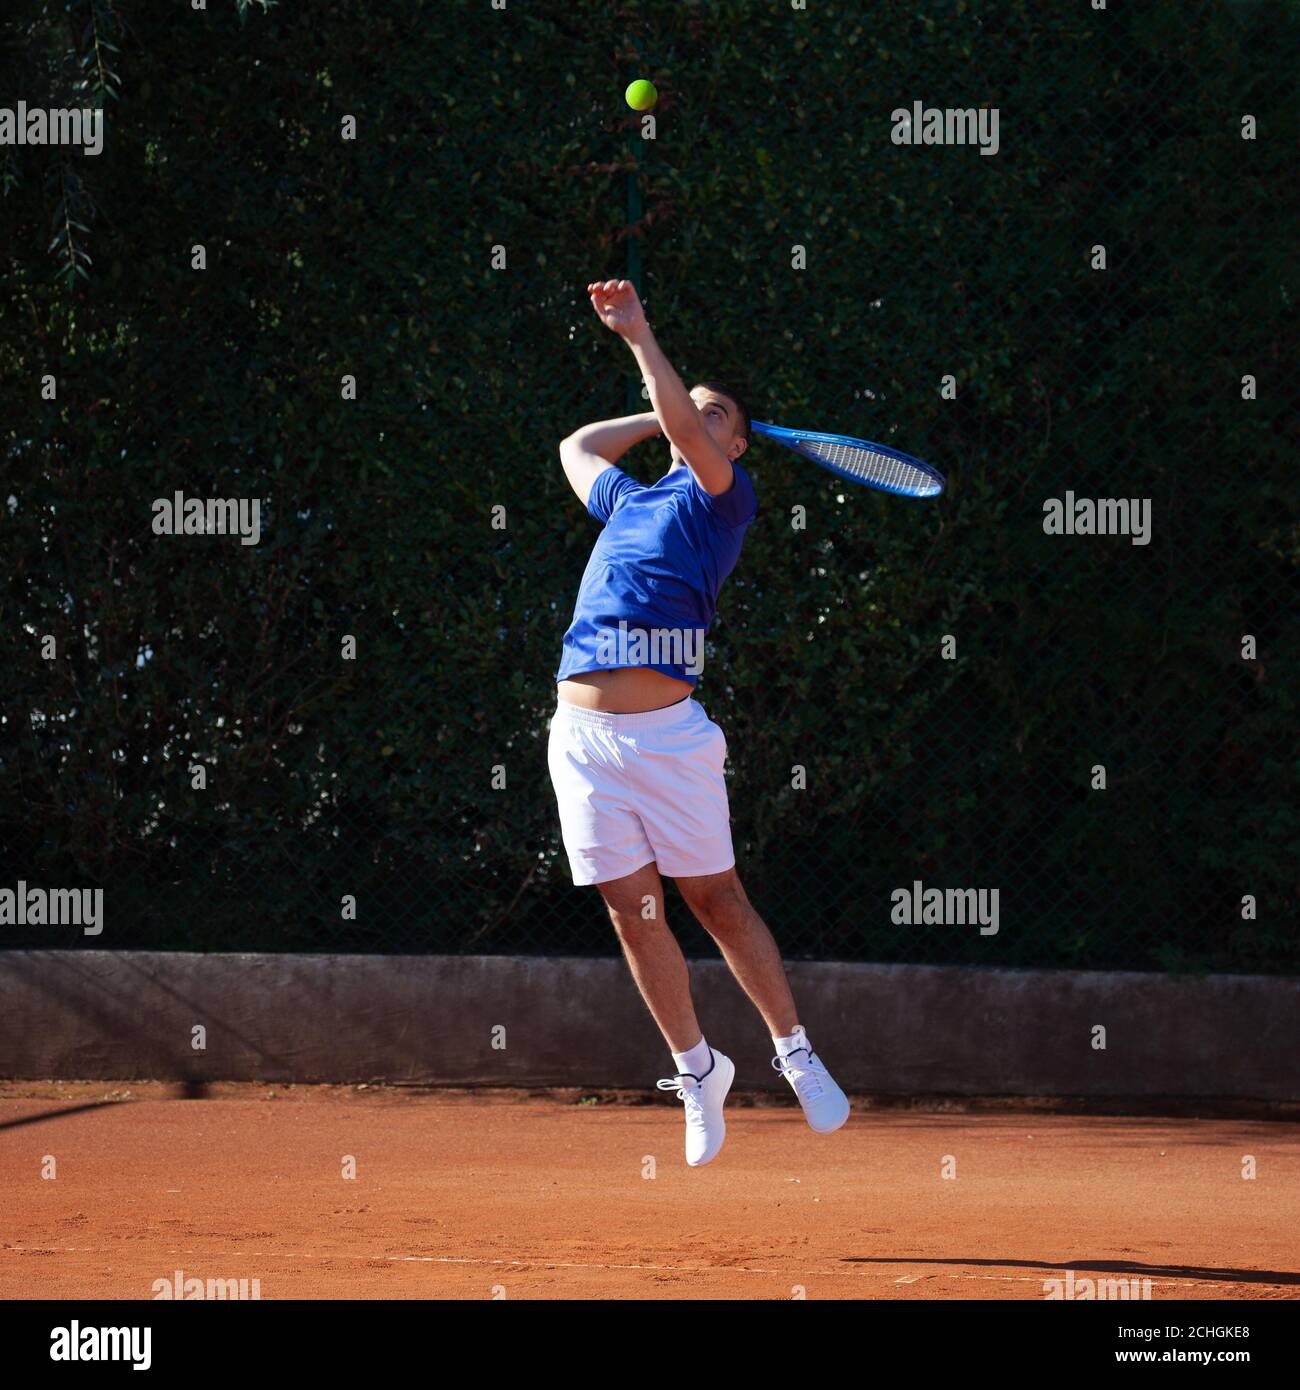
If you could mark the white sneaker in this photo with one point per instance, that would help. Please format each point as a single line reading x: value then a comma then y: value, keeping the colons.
x: 703, y: 1097
x: 825, y: 1106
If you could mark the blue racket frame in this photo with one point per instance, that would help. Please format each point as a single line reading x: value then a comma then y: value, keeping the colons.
x: 794, y: 439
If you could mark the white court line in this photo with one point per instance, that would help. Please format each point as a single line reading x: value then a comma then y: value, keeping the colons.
x: 542, y: 1262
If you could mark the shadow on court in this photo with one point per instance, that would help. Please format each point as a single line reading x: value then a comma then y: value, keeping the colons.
x: 1130, y: 1269
x: 62, y: 1114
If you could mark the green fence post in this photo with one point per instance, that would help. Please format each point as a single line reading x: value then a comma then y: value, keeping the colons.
x: 635, y: 401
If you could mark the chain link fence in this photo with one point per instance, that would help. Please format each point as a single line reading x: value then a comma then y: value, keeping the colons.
x: 345, y: 281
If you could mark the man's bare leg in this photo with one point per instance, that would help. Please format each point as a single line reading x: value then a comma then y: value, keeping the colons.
x: 727, y: 915
x: 636, y: 907
x: 724, y: 911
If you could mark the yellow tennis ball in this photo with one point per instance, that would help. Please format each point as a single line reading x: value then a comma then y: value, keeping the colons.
x: 641, y: 95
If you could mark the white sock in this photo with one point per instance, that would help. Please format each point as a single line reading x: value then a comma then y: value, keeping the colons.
x: 796, y: 1040
x: 696, y: 1062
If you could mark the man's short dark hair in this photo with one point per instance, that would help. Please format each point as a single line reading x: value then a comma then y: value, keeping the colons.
x: 735, y: 397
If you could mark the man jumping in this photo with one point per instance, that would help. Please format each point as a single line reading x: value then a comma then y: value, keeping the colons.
x: 636, y: 763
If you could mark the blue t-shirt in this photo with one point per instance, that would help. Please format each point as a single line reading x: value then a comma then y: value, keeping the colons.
x: 651, y: 586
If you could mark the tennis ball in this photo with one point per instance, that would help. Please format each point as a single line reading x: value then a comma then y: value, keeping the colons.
x: 641, y: 95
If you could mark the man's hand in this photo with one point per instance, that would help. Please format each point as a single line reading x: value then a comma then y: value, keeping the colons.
x: 616, y: 302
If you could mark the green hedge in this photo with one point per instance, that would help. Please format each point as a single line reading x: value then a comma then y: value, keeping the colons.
x: 479, y: 128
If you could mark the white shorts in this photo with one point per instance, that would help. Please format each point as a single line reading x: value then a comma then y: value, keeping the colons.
x: 640, y: 788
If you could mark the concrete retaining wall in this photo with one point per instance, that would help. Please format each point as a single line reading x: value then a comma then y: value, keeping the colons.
x: 527, y: 1021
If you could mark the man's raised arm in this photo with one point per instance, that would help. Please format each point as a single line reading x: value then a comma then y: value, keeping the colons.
x: 591, y: 449
x: 620, y: 310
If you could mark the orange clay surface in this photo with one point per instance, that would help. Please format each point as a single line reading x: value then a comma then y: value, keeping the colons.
x: 527, y: 1195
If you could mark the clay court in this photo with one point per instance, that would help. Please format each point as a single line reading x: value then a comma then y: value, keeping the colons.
x: 483, y: 1195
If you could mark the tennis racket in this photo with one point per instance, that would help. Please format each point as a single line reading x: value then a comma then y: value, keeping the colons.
x: 860, y: 461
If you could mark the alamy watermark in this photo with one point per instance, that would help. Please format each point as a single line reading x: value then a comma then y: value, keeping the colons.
x: 946, y: 125
x: 654, y: 646
x: 1098, y: 516
x: 53, y: 907
x: 959, y: 907
x: 24, y: 125
x: 1072, y: 1288
x: 179, y: 515
x: 179, y: 1286
x: 76, y: 1343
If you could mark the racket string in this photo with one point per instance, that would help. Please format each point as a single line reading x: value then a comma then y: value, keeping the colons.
x: 896, y: 474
